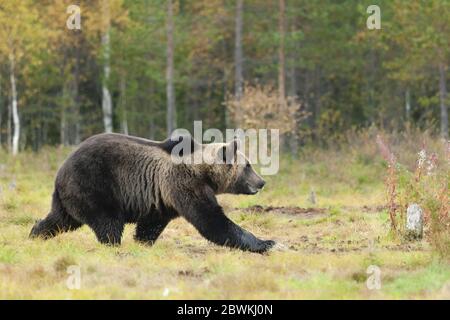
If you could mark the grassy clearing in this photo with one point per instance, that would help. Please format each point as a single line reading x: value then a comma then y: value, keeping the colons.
x: 324, y: 255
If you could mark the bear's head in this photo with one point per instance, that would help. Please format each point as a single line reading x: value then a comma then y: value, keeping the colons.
x: 229, y: 170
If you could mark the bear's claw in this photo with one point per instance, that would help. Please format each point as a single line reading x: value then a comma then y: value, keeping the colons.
x: 263, y: 246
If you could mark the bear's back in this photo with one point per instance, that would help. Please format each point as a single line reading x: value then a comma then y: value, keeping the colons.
x: 108, y: 158
x: 127, y: 173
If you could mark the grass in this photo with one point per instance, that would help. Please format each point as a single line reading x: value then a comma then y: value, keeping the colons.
x: 324, y: 256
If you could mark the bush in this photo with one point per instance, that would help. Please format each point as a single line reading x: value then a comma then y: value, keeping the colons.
x: 427, y: 185
x: 262, y: 107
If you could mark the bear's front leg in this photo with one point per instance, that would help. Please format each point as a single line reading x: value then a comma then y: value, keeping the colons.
x: 209, y: 219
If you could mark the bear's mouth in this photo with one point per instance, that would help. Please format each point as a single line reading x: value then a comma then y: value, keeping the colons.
x: 252, y: 190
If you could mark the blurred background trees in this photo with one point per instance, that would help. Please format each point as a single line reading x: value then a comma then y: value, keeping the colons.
x: 143, y: 67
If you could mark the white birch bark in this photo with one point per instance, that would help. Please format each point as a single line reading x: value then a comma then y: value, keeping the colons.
x: 106, y: 97
x: 15, y: 111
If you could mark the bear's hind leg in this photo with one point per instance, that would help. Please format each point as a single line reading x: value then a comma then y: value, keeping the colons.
x: 56, y: 222
x: 53, y: 224
x: 108, y: 231
x: 150, y: 226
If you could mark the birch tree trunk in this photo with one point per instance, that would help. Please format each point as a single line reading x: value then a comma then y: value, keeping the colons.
x: 443, y: 104
x: 238, y: 54
x: 123, y: 105
x: 171, y: 112
x: 9, y: 127
x: 408, y: 105
x: 1, y: 111
x: 15, y: 112
x: 106, y: 99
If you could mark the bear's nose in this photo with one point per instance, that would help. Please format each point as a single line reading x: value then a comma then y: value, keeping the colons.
x: 261, y: 184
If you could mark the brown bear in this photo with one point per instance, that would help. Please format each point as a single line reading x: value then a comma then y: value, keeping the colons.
x: 114, y: 179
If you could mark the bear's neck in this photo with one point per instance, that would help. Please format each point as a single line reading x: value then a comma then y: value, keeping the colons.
x: 203, y: 174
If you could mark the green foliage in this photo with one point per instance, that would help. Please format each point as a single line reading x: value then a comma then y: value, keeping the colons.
x: 426, y: 185
x: 325, y: 255
x: 344, y: 74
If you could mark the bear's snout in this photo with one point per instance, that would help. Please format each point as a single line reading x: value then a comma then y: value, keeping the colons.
x: 261, y: 184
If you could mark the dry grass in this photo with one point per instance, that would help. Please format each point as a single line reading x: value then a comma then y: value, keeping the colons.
x: 323, y: 256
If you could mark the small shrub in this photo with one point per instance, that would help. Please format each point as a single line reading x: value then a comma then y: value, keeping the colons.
x: 426, y: 185
x: 262, y: 107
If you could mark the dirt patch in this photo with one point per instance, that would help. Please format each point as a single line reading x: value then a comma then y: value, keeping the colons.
x: 198, y: 251
x: 316, y: 246
x: 405, y: 247
x: 303, y: 212
x: 365, y: 208
x: 194, y: 274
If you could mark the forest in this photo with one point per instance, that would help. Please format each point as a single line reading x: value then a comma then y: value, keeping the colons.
x: 358, y: 206
x: 146, y: 67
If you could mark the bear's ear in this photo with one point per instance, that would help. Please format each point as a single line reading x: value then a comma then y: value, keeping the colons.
x: 234, y: 146
x: 227, y: 153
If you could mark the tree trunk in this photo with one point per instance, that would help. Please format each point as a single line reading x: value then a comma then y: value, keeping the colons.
x: 318, y: 94
x: 294, y: 136
x: 293, y: 92
x: 225, y: 114
x: 317, y: 91
x: 45, y: 133
x: 282, y: 63
x: 106, y: 100
x: 171, y: 112
x: 408, y: 105
x: 63, y: 121
x: 9, y: 127
x: 293, y: 83
x: 306, y: 97
x: 15, y: 111
x: 123, y: 105
x: 76, y: 95
x: 281, y: 50
x: 443, y: 97
x: 195, y: 101
x: 1, y: 111
x: 238, y: 54
x: 152, y: 129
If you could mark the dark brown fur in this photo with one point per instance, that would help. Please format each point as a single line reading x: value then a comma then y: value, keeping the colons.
x: 113, y: 179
